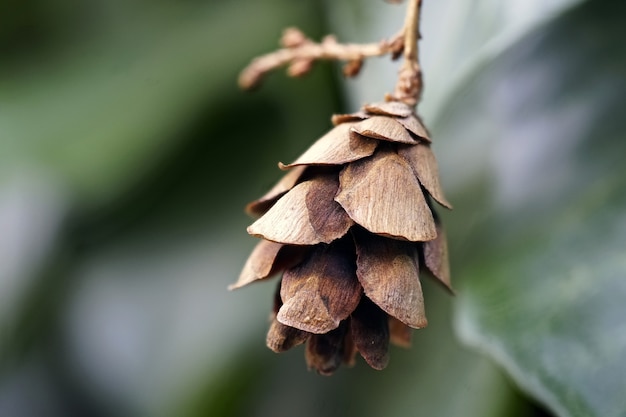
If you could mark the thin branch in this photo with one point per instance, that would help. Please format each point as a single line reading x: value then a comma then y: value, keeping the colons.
x: 299, y: 54
x: 411, y: 30
x: 409, y: 85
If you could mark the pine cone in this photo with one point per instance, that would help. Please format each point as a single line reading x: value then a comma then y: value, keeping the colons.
x: 351, y: 227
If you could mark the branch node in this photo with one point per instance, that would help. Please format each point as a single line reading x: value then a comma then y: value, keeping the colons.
x: 352, y: 68
x: 299, y: 53
x: 292, y: 38
x: 300, y: 67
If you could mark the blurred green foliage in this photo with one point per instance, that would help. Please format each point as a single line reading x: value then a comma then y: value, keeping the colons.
x: 127, y: 154
x: 544, y: 294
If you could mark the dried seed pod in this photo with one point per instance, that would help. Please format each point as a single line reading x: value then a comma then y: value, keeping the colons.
x: 345, y: 294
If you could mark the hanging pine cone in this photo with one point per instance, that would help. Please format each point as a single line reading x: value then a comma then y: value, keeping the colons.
x: 351, y: 226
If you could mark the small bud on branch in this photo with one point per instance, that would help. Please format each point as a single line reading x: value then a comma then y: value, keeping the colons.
x: 299, y: 53
x: 298, y: 50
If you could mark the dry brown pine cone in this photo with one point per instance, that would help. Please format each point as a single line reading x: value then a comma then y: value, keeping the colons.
x: 351, y: 227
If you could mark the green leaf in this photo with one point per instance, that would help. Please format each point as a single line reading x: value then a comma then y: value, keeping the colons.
x: 535, y: 144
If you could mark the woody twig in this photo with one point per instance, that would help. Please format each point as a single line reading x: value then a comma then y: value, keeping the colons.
x: 299, y: 53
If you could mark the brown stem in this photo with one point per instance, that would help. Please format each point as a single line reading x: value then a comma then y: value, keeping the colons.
x: 409, y: 84
x: 300, y: 53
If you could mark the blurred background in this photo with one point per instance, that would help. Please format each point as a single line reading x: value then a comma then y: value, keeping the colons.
x: 127, y: 154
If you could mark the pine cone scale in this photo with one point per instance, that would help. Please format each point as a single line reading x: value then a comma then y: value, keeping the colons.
x: 281, y: 338
x: 422, y: 160
x: 383, y: 128
x: 415, y: 126
x: 326, y: 284
x: 383, y: 195
x: 289, y: 220
x: 370, y: 332
x: 286, y: 183
x: 388, y: 271
x: 326, y: 352
x: 339, y: 146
